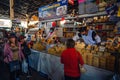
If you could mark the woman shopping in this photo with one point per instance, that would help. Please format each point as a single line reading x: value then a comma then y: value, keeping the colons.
x: 13, y: 56
x: 71, y: 58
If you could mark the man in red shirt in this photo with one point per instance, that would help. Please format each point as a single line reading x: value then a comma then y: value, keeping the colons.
x: 70, y: 59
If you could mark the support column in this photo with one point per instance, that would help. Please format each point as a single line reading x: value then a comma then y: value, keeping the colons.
x: 11, y: 9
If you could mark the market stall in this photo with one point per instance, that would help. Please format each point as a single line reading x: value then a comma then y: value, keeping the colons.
x: 51, y: 66
x: 98, y: 59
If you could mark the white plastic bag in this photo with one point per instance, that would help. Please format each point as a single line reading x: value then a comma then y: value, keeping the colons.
x: 24, y: 66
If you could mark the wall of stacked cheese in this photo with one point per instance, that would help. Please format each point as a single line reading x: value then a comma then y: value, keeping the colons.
x: 110, y: 63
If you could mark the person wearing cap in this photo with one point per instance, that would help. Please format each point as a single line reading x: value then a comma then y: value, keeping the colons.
x: 89, y: 36
x: 26, y: 50
x: 13, y: 52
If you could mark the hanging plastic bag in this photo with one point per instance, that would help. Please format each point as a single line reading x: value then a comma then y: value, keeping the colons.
x: 24, y: 66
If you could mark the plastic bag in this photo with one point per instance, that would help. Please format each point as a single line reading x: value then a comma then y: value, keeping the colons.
x: 24, y: 66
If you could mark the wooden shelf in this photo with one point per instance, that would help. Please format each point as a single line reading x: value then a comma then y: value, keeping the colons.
x: 96, y: 23
x: 105, y: 30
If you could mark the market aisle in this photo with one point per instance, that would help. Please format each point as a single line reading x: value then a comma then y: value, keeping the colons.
x: 4, y: 75
x: 94, y: 73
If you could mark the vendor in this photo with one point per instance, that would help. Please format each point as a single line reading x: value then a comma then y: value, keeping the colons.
x: 89, y: 36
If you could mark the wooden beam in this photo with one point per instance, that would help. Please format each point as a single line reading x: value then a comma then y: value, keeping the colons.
x: 11, y: 9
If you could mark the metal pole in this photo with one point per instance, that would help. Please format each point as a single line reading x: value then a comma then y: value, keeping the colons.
x: 11, y: 9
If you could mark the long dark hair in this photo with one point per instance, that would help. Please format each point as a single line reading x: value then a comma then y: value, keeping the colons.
x: 70, y: 43
x: 16, y: 41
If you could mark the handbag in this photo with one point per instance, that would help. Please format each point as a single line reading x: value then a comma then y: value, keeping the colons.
x: 81, y: 68
x: 14, y: 65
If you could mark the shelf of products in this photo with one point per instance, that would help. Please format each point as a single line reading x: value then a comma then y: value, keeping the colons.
x: 69, y: 32
x: 104, y: 30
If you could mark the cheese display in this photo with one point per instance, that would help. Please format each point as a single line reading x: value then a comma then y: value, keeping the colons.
x: 38, y: 46
x: 57, y: 50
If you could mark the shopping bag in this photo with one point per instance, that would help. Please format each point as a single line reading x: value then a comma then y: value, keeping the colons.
x: 24, y: 66
x: 14, y: 65
x: 82, y: 69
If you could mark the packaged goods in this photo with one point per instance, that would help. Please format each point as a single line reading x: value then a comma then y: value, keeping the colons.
x: 84, y: 56
x: 110, y: 63
x: 106, y: 54
x: 56, y: 50
x: 82, y: 51
x: 38, y: 46
x: 96, y: 61
x: 102, y: 48
x: 102, y: 9
x: 93, y: 52
x: 100, y: 53
x: 88, y: 47
x: 51, y: 51
x: 102, y: 4
x: 89, y: 59
x: 110, y: 67
x: 102, y: 63
x: 87, y: 52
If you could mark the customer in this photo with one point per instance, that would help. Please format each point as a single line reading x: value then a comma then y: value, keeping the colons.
x: 13, y: 54
x: 26, y: 50
x: 70, y: 59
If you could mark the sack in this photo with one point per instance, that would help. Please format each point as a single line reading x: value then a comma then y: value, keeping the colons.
x: 14, y: 65
x: 24, y: 66
x: 82, y: 69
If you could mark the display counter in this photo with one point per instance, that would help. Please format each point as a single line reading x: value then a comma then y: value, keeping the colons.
x: 51, y: 66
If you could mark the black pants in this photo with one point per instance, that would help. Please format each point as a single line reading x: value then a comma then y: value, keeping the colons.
x: 14, y: 75
x: 71, y: 78
x: 27, y: 60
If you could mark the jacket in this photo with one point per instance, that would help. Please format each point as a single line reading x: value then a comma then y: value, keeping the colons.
x: 8, y: 54
x: 70, y: 58
x: 26, y: 50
